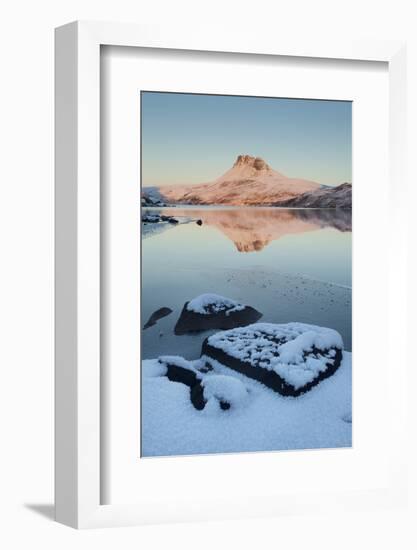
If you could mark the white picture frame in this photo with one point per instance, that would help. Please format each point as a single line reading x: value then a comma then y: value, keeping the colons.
x: 78, y: 412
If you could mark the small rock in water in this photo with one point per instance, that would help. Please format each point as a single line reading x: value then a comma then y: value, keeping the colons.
x: 169, y: 219
x: 149, y: 218
x: 156, y: 315
x: 211, y: 311
x: 199, y: 222
x: 157, y: 218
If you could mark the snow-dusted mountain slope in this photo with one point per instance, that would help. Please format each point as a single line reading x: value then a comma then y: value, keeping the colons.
x: 250, y: 181
x: 331, y: 197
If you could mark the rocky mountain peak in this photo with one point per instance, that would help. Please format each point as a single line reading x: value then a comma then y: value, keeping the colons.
x: 249, y: 182
x: 254, y: 162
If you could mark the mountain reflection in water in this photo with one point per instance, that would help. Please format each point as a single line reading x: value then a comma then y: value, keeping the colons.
x: 251, y: 232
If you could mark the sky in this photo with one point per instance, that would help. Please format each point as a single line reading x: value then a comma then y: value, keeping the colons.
x: 191, y: 138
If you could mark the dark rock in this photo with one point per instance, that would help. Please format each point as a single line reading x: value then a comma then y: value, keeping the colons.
x: 176, y: 373
x: 190, y: 321
x: 199, y: 222
x: 151, y: 218
x: 156, y: 315
x: 197, y: 397
x: 189, y: 377
x: 168, y: 219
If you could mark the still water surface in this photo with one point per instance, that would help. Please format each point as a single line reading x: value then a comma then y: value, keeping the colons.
x: 290, y: 264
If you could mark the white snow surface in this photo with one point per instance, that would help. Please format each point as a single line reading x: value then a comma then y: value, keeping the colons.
x: 262, y: 420
x: 213, y: 303
x: 153, y: 369
x: 225, y: 388
x: 281, y: 348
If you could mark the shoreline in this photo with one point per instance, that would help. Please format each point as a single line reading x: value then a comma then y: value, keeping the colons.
x: 281, y: 297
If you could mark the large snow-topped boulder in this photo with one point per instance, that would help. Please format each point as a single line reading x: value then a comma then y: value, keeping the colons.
x: 211, y: 311
x: 289, y: 358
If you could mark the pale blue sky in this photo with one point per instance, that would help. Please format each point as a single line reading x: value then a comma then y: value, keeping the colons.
x: 190, y: 138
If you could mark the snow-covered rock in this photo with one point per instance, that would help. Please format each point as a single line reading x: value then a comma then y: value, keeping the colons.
x: 226, y: 391
x: 151, y: 218
x: 290, y: 358
x: 180, y: 370
x: 211, y: 311
x: 213, y: 303
x: 217, y: 391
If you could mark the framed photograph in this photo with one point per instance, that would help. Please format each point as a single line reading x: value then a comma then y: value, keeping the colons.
x: 228, y: 220
x: 252, y: 250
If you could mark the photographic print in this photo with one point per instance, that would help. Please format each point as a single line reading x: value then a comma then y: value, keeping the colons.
x: 246, y: 273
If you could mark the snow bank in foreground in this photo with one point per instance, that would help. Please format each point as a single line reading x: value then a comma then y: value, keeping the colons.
x: 226, y: 390
x: 153, y: 368
x: 206, y: 304
x: 261, y: 421
x: 298, y: 353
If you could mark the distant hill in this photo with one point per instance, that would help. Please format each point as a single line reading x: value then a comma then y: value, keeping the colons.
x: 152, y: 193
x: 330, y: 197
x: 250, y: 181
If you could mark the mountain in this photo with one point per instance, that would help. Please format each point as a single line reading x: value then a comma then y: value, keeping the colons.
x: 250, y: 181
x: 330, y: 197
